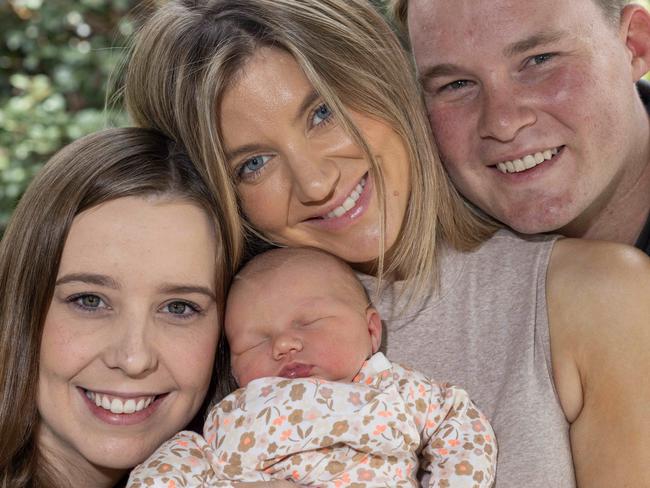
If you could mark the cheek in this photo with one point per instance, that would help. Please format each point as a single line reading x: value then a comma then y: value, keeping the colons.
x: 265, y: 206
x: 452, y: 128
x: 191, y: 359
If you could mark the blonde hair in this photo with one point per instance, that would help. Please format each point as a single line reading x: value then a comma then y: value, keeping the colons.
x: 186, y: 56
x: 98, y: 168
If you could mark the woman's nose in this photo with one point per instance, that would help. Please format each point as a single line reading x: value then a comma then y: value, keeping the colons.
x: 314, y: 177
x: 285, y: 344
x: 132, y: 348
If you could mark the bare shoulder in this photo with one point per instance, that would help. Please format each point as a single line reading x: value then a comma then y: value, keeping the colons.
x: 599, y: 321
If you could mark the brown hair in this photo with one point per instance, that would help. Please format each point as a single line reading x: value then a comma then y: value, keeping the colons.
x: 188, y: 53
x: 104, y: 166
x: 399, y: 11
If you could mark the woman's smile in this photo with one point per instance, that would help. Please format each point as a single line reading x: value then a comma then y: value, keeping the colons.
x: 302, y: 179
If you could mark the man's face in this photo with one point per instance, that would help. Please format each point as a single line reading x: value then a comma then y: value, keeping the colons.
x: 532, y: 104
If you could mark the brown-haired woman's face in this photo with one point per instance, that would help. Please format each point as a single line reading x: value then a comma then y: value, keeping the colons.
x: 301, y: 179
x: 129, y: 339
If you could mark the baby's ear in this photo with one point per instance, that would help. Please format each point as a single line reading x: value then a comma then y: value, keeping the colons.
x: 374, y: 327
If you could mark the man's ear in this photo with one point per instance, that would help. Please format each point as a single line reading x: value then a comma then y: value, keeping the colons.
x: 374, y: 328
x: 635, y: 31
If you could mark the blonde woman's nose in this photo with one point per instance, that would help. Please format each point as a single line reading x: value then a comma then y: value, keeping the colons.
x: 314, y: 178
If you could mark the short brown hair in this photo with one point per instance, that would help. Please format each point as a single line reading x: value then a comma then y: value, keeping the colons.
x: 399, y: 11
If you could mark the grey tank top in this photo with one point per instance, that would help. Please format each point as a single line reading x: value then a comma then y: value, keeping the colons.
x: 486, y: 330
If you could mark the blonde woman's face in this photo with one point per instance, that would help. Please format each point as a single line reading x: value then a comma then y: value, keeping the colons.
x: 301, y: 179
x: 129, y: 339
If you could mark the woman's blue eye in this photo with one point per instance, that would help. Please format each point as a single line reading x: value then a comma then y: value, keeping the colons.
x: 321, y: 114
x: 253, y: 165
x: 182, y: 309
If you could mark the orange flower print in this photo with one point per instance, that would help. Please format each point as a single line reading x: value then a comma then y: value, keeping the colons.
x: 279, y: 420
x: 246, y: 441
x: 266, y: 390
x: 379, y: 429
x: 464, y: 468
x: 365, y: 474
x: 171, y: 484
x: 285, y: 435
x: 478, y: 426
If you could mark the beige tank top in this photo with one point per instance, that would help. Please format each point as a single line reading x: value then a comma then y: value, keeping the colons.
x: 486, y: 330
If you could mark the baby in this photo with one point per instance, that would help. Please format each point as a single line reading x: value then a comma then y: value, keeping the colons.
x: 318, y: 404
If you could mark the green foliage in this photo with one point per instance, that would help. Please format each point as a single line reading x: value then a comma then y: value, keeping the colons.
x: 56, y: 58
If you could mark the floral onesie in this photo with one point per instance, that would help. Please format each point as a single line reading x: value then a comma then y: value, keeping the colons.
x: 378, y: 431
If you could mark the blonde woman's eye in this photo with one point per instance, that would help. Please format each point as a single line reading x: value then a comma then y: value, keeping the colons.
x: 252, y: 166
x: 321, y: 114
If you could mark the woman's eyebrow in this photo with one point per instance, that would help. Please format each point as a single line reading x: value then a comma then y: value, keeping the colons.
x: 89, y: 278
x: 182, y: 289
x: 309, y: 99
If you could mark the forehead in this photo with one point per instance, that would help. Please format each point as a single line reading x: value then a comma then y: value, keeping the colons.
x: 294, y: 284
x: 269, y: 80
x: 442, y: 29
x: 140, y: 231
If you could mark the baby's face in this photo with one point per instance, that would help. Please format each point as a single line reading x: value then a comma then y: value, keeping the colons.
x: 301, y: 319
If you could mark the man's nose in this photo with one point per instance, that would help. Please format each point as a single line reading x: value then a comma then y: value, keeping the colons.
x: 505, y: 111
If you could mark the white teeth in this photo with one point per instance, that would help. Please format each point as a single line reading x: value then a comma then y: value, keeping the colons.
x: 349, y: 202
x: 118, y: 405
x: 527, y: 162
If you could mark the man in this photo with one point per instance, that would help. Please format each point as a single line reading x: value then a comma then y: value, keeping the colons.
x: 537, y: 110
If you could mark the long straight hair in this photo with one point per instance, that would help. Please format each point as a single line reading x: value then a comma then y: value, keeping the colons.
x: 189, y: 52
x: 110, y: 164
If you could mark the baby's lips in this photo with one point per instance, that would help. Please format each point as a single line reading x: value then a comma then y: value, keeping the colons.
x: 295, y: 370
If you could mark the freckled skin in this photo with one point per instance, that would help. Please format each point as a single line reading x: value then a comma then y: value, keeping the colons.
x: 582, y: 98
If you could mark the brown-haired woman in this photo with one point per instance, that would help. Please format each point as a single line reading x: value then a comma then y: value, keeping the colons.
x: 113, y: 272
x: 308, y: 115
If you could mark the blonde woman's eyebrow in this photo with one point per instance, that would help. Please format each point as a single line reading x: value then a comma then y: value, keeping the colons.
x: 307, y: 102
x: 88, y: 278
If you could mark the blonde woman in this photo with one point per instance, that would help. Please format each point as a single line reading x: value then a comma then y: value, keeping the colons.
x: 113, y: 272
x: 307, y: 117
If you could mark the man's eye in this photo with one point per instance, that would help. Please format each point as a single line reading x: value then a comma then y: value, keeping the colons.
x: 455, y: 85
x: 541, y: 58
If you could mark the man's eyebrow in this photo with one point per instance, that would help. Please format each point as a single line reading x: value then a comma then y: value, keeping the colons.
x: 89, y: 278
x: 531, y: 42
x: 182, y: 289
x: 445, y: 69
x: 539, y: 39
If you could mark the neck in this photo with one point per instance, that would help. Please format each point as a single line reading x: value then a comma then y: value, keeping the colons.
x: 621, y: 212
